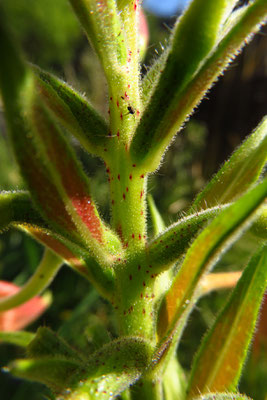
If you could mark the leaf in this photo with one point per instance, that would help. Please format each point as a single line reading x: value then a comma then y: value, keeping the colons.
x: 174, y: 381
x: 114, y: 368
x: 194, y: 36
x: 228, y: 340
x: 17, y: 208
x: 58, y: 186
x: 151, y: 78
x: 149, y: 145
x: 157, y: 221
x: 78, y: 259
x: 73, y: 111
x: 169, y: 245
x: 72, y: 187
x: 56, y: 373
x: 51, y: 361
x: 47, y: 343
x: 239, y: 173
x: 110, y: 370
x: 21, y: 338
x: 259, y: 228
x: 43, y: 276
x: 216, y: 238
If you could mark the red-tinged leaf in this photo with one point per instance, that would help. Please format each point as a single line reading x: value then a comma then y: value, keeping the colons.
x: 54, y: 176
x: 17, y: 210
x: 77, y: 258
x: 58, y: 162
x: 227, y: 342
x: 66, y: 170
x: 216, y: 238
x: 21, y: 316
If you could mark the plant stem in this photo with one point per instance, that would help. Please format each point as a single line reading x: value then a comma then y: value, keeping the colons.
x: 128, y: 193
x: 147, y: 389
x: 135, y: 300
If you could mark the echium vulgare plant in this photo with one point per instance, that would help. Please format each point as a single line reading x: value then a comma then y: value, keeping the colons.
x: 152, y: 282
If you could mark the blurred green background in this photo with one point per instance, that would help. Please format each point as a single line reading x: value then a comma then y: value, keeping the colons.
x: 51, y: 37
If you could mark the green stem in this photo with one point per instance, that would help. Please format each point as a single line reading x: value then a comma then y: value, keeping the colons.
x: 128, y: 200
x: 147, y: 389
x: 42, y: 277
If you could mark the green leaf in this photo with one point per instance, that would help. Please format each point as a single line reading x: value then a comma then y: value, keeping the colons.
x: 194, y: 36
x: 56, y: 373
x: 21, y: 338
x: 157, y: 221
x: 51, y: 361
x: 17, y: 208
x: 108, y: 371
x: 48, y: 344
x: 73, y: 111
x: 149, y: 144
x: 151, y: 78
x: 215, y: 239
x: 170, y: 244
x: 239, y: 173
x: 259, y: 228
x: 222, y: 396
x: 174, y: 381
x: 228, y: 340
x: 114, y: 368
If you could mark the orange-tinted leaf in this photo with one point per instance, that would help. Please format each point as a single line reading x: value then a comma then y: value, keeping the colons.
x: 218, y: 364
